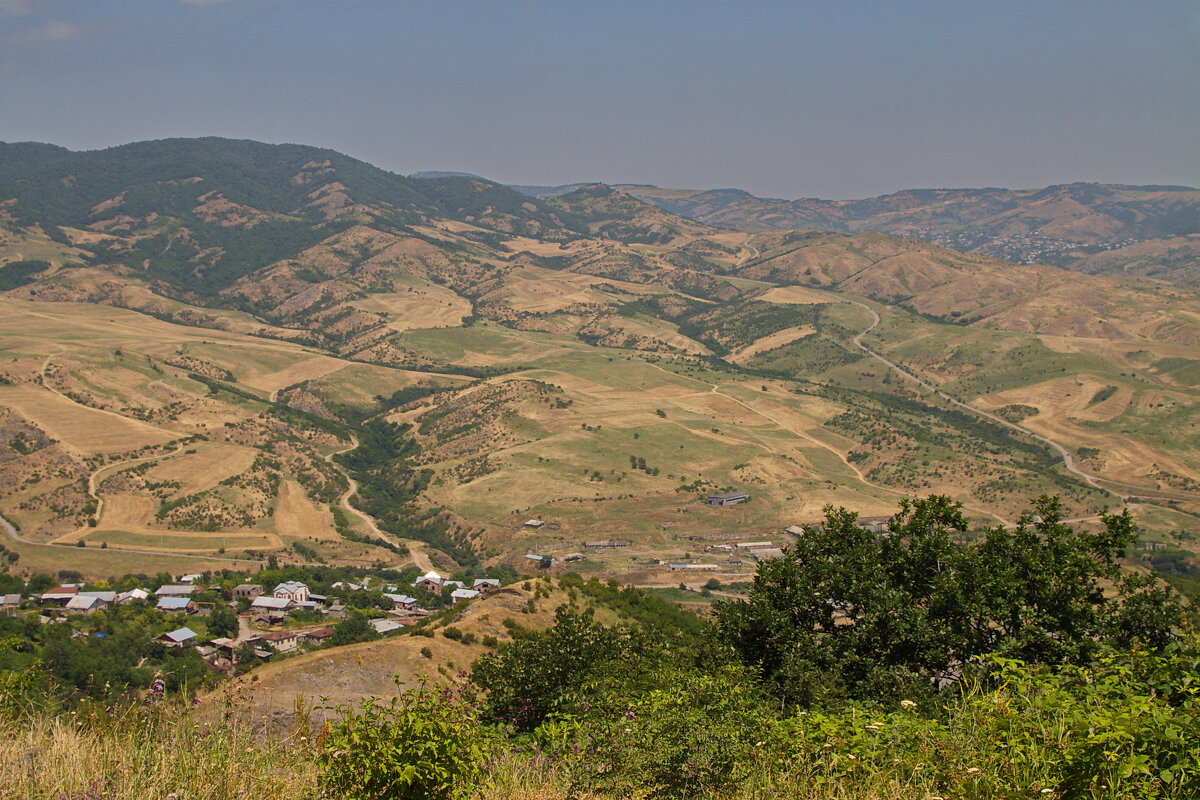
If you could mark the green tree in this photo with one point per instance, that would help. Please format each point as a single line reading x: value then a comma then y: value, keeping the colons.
x: 527, y: 678
x: 223, y: 622
x: 847, y: 612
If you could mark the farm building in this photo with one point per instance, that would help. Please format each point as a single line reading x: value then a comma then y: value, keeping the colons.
x: 59, y: 595
x: 767, y: 554
x: 9, y: 602
x: 680, y: 567
x: 727, y: 498
x: 534, y: 523
x: 754, y: 545
x: 874, y: 524
x: 607, y: 543
x: 463, y: 594
x: 794, y: 530
x: 485, y: 584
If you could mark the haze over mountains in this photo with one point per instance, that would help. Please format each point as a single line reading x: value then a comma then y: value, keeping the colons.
x: 545, y: 352
x: 1098, y: 228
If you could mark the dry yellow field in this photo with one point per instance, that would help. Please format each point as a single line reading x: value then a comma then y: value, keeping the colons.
x: 777, y: 339
x: 84, y: 429
x: 298, y: 517
x: 208, y: 466
x: 307, y: 370
x: 795, y: 295
x: 1063, y: 402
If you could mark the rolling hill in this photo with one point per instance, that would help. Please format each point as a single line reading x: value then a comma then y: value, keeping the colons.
x: 1100, y: 228
x: 222, y: 349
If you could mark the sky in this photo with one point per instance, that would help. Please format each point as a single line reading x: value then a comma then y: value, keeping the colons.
x: 833, y: 99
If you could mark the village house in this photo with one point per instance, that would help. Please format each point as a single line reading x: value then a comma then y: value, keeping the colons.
x: 270, y: 608
x: 463, y: 594
x: 184, y: 604
x: 9, y: 603
x: 727, y: 498
x: 431, y: 581
x: 485, y: 584
x: 383, y: 626
x: 131, y: 595
x: 454, y: 584
x: 295, y: 591
x: 281, y: 641
x: 733, y: 561
x: 247, y: 590
x: 403, y: 602
x: 874, y: 524
x: 86, y: 603
x: 177, y: 638
x: 177, y: 590
x: 195, y: 576
x: 317, y: 636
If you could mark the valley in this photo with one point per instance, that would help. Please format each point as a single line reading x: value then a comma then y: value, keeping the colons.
x: 409, y: 369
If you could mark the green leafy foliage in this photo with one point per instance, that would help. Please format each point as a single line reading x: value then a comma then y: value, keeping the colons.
x: 423, y: 745
x: 847, y: 613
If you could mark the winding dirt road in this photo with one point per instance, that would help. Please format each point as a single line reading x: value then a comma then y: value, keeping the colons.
x: 1068, y: 460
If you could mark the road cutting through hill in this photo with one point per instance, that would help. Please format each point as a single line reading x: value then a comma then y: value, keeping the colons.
x: 1094, y: 481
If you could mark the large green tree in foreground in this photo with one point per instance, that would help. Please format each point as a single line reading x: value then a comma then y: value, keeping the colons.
x: 850, y: 613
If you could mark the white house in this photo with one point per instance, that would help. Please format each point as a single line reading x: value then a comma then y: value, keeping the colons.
x: 295, y: 591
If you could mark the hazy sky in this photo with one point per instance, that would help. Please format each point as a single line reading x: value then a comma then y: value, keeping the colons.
x: 836, y: 98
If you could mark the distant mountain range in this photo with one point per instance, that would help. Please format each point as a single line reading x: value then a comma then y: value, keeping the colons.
x: 1151, y: 231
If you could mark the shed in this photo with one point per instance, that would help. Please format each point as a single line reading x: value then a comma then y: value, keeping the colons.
x: 534, y: 523
x: 131, y: 595
x: 177, y: 638
x: 727, y: 498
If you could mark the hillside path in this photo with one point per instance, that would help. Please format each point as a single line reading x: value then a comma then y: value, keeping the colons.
x: 1068, y: 460
x: 416, y: 549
